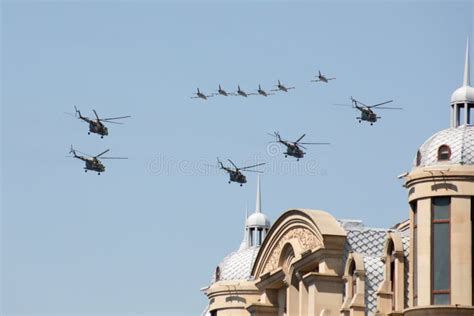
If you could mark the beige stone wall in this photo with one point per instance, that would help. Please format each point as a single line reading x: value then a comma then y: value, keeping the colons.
x: 457, y: 182
x: 461, y: 276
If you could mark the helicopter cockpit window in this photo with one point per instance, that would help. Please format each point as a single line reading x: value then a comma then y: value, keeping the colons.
x: 444, y: 153
x: 418, y: 158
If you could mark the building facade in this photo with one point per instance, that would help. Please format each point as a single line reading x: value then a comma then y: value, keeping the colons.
x: 310, y: 263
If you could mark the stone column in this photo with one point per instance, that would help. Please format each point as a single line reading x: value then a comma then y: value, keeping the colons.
x: 461, y: 273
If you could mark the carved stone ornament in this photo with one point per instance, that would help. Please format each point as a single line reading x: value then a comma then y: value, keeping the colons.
x: 306, y: 239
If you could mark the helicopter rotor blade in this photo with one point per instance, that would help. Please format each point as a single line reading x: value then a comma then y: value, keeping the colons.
x: 315, y: 143
x: 302, y: 136
x: 115, y: 118
x: 101, y: 153
x: 253, y: 166
x: 113, y: 157
x: 77, y: 151
x: 96, y: 115
x: 118, y: 123
x: 362, y: 104
x: 233, y: 164
x: 388, y: 108
x: 344, y: 105
x: 373, y: 106
x: 256, y: 171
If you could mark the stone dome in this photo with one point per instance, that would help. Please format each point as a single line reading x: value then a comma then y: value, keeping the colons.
x: 460, y: 143
x: 237, y: 265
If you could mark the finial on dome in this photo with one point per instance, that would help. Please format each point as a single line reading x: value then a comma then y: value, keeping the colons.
x: 258, y: 206
x: 467, y: 77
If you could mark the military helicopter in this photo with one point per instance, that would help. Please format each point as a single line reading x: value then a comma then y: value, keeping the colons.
x: 322, y: 78
x: 242, y: 93
x: 200, y: 95
x: 97, y: 126
x: 263, y: 92
x: 281, y: 87
x: 222, y: 92
x: 293, y: 148
x: 235, y: 175
x: 366, y: 112
x: 92, y: 162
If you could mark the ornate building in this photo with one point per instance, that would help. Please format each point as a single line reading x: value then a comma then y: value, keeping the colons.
x: 309, y: 263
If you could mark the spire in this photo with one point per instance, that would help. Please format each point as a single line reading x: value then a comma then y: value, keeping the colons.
x: 467, y: 78
x: 258, y: 206
x: 244, y: 243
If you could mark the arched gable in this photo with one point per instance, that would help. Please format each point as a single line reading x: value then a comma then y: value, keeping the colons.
x: 358, y: 260
x: 305, y: 230
x: 393, y: 238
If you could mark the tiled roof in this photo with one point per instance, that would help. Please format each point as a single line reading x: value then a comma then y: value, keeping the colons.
x: 238, y: 265
x: 460, y: 140
x: 373, y: 279
x: 406, y: 254
x: 370, y: 243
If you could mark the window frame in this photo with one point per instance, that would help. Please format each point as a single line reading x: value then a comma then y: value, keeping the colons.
x: 418, y: 158
x: 414, y: 206
x: 440, y: 148
x: 432, y: 263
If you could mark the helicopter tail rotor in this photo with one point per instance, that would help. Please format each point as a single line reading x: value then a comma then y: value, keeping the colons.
x: 72, y: 151
x: 78, y: 113
x: 221, y: 165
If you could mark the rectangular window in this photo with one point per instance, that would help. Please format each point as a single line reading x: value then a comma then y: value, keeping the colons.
x: 440, y: 250
x: 415, y: 255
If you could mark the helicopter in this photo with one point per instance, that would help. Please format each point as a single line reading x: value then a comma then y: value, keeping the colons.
x: 97, y: 126
x: 281, y: 87
x: 221, y: 91
x: 92, y: 162
x: 294, y: 148
x: 235, y: 175
x: 242, y: 93
x: 366, y: 112
x: 263, y: 92
x: 322, y: 78
x: 200, y: 95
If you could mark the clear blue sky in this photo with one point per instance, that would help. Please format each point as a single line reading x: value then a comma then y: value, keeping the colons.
x: 145, y: 236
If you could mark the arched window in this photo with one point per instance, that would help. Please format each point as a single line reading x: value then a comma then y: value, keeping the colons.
x: 218, y: 274
x: 444, y: 153
x: 418, y: 158
x: 353, y: 279
x: 391, y: 262
x: 391, y: 293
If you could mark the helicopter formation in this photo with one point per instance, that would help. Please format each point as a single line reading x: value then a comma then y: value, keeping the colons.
x: 96, y: 126
x: 291, y: 148
x: 367, y: 112
x: 240, y: 92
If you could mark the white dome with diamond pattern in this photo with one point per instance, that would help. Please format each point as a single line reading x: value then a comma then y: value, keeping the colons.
x: 237, y: 265
x: 460, y: 140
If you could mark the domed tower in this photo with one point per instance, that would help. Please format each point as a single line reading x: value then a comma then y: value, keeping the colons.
x: 257, y: 224
x: 441, y: 195
x: 232, y: 287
